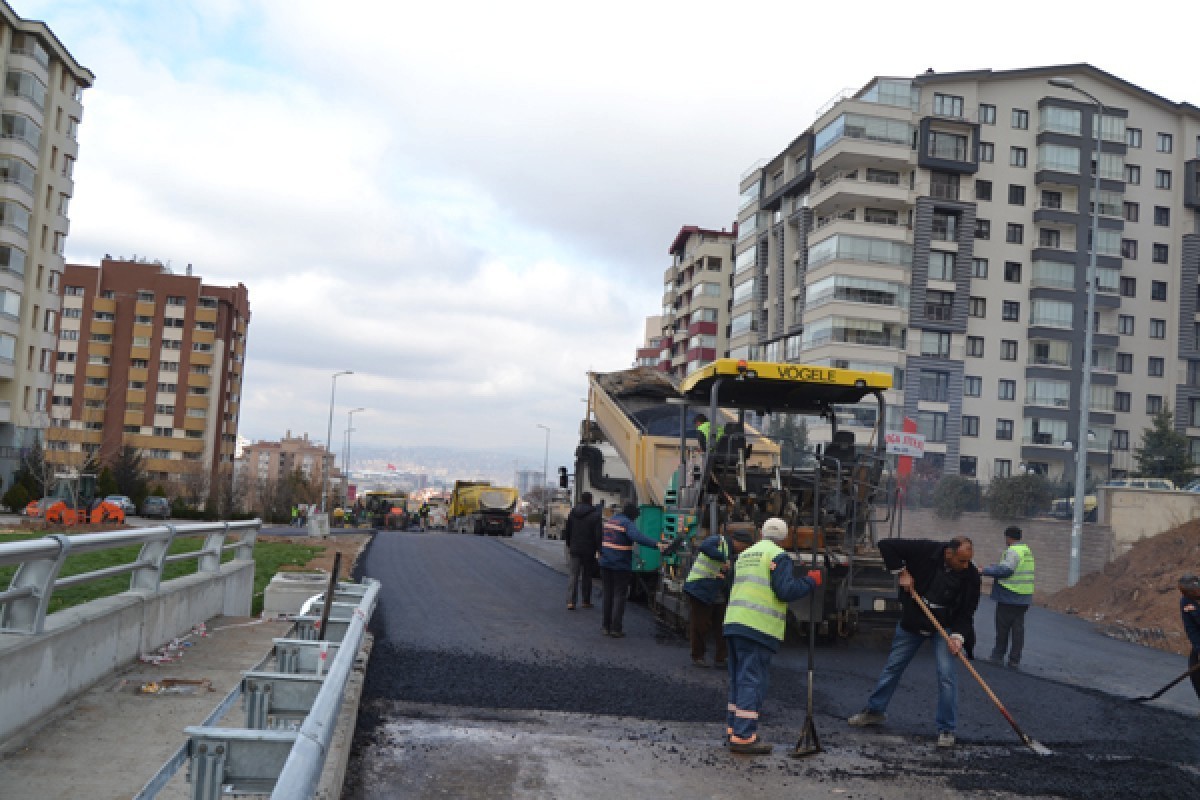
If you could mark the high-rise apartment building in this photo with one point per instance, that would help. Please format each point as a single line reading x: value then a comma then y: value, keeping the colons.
x: 650, y: 353
x: 696, y: 295
x: 263, y: 465
x: 938, y: 228
x: 40, y: 113
x: 153, y: 360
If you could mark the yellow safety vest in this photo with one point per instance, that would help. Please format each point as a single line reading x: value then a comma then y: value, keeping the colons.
x: 1021, y: 581
x: 753, y: 602
x: 705, y: 567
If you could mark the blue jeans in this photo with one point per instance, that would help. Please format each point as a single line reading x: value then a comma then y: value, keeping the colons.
x: 904, y: 647
x: 749, y: 676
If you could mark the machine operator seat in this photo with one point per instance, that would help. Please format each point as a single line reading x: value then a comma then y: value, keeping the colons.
x: 842, y: 449
x: 731, y: 446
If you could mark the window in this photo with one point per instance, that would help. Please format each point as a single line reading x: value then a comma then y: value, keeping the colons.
x: 1007, y: 389
x: 1133, y: 174
x: 972, y: 386
x: 1162, y: 215
x: 948, y: 145
x: 1016, y: 195
x: 977, y: 307
x: 1158, y: 329
x: 975, y: 346
x: 1129, y: 249
x: 1158, y: 290
x: 1008, y: 350
x: 1162, y: 143
x: 1011, y: 311
x: 1004, y: 429
x: 932, y: 425
x: 1162, y: 179
x: 1160, y: 254
x: 1020, y: 119
x: 1133, y: 137
x: 1051, y: 199
x: 1154, y: 404
x: 1155, y: 366
x: 1012, y: 271
x: 987, y: 114
x: 1014, y: 233
x: 1125, y: 325
x: 1122, y: 401
x: 1125, y: 363
x: 970, y: 426
x: 983, y: 228
x: 1128, y: 286
x: 1131, y: 212
x: 935, y: 386
x: 947, y: 105
x: 941, y: 266
x: 979, y: 268
x: 987, y: 152
x: 1018, y: 157
x: 1049, y: 237
x: 983, y: 190
x: 935, y: 344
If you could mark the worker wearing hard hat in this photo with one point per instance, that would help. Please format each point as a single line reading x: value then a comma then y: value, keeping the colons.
x: 764, y: 583
x: 1189, y: 606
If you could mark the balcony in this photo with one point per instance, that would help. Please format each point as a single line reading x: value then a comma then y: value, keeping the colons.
x: 859, y: 187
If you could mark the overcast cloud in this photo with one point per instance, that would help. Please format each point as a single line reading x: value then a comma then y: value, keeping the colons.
x: 469, y: 204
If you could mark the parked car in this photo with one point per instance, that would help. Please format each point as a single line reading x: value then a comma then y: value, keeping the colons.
x: 1140, y: 483
x: 124, y: 502
x: 155, y: 506
x: 1064, y: 508
x: 1194, y: 486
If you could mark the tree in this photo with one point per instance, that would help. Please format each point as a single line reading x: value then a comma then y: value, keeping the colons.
x: 1019, y: 496
x: 791, y: 432
x: 129, y: 471
x: 40, y: 471
x: 1164, y: 451
x: 955, y: 494
x: 106, y: 484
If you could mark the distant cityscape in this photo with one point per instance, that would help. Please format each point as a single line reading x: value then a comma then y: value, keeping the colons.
x: 416, y: 468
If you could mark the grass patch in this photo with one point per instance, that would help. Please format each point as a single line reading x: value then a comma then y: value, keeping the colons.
x: 269, y: 557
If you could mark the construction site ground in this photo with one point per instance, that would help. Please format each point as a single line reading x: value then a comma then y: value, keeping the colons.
x: 483, y: 685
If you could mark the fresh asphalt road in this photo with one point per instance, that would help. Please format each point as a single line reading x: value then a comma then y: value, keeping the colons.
x: 482, y: 684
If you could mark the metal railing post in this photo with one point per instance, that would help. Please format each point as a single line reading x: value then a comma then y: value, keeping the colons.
x: 245, y: 550
x: 210, y: 561
x: 154, y: 556
x: 28, y: 614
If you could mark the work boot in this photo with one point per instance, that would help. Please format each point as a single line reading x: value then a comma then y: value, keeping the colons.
x: 699, y: 662
x: 587, y: 605
x: 755, y: 748
x: 721, y: 664
x: 617, y: 634
x: 945, y: 739
x: 1014, y: 665
x: 570, y: 606
x: 606, y: 631
x: 865, y: 717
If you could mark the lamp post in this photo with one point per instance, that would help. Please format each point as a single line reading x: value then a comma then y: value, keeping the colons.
x: 1085, y: 389
x: 346, y: 446
x: 545, y: 466
x: 329, y: 435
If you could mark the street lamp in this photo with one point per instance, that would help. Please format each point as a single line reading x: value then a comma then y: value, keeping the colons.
x: 346, y: 446
x: 329, y: 435
x: 545, y: 466
x: 1085, y: 389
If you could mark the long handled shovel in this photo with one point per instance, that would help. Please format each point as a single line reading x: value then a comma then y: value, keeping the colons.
x: 809, y: 744
x: 1194, y: 668
x: 1031, y: 743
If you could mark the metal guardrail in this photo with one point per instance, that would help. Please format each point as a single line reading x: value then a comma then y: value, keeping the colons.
x: 24, y: 605
x: 291, y: 703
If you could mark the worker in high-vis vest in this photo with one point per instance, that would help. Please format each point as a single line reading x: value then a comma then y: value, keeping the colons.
x: 707, y: 589
x: 764, y: 582
x: 1012, y: 589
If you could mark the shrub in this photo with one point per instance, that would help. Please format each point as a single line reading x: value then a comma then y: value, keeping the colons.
x: 16, y: 498
x: 1019, y: 496
x: 955, y: 494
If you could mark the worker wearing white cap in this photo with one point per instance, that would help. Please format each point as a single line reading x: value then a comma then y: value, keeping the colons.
x: 755, y: 620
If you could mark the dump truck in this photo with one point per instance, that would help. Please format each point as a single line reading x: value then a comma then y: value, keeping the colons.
x: 639, y: 444
x: 479, y: 507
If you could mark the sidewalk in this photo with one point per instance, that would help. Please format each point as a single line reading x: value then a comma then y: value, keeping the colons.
x: 108, y: 742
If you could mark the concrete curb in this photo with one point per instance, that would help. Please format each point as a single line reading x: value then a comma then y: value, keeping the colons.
x: 333, y: 776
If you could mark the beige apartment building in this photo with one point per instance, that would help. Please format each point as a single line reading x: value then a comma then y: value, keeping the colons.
x: 696, y: 297
x: 149, y: 359
x: 40, y: 114
x: 650, y: 353
x: 265, y: 464
x: 938, y: 228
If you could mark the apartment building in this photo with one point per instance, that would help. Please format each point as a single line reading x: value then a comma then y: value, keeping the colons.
x: 150, y: 359
x: 264, y: 464
x: 696, y: 298
x: 40, y: 112
x: 938, y: 228
x: 650, y: 353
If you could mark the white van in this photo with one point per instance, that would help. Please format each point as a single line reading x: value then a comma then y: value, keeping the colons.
x: 1140, y: 483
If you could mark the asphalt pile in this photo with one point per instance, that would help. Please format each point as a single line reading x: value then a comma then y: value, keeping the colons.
x: 1135, y: 597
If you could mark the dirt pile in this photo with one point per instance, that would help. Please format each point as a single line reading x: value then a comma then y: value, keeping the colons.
x: 1136, y: 596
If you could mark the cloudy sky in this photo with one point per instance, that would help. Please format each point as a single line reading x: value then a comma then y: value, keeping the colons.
x: 469, y: 204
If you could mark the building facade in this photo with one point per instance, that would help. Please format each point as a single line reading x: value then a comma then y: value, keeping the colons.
x: 696, y: 298
x: 650, y: 354
x: 264, y: 465
x: 153, y: 360
x: 938, y: 228
x: 40, y: 113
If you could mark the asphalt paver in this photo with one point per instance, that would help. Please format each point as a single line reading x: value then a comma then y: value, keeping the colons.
x: 482, y: 684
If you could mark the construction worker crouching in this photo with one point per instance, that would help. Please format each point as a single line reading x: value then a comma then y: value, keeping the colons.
x: 1189, y: 607
x: 707, y: 589
x: 755, y: 622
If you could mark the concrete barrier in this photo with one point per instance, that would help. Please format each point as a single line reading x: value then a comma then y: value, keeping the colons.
x: 79, y: 646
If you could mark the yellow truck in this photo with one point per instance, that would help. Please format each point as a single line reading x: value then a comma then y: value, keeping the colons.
x: 480, y: 508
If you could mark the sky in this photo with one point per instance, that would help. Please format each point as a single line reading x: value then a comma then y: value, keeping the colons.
x: 469, y: 204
